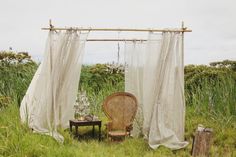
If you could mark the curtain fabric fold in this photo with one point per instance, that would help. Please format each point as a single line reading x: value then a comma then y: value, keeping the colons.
x: 49, y: 100
x: 155, y: 75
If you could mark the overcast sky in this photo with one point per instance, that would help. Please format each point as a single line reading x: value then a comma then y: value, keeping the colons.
x: 213, y: 23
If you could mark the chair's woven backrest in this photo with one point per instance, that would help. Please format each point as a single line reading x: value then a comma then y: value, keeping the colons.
x: 121, y: 108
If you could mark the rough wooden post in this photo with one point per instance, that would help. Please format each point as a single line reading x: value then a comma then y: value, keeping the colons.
x: 202, y: 142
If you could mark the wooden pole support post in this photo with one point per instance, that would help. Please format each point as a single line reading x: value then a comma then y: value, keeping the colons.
x: 202, y: 142
x: 50, y: 25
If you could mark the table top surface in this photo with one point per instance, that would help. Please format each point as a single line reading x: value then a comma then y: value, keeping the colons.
x: 84, y: 121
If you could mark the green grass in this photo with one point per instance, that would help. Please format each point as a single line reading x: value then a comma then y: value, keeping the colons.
x: 17, y: 139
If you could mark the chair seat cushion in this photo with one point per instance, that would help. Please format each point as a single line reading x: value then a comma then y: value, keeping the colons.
x: 117, y: 133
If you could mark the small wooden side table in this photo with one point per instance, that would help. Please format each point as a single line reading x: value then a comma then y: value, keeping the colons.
x: 78, y: 123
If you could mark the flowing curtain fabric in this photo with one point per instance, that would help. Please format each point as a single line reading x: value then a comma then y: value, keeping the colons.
x: 155, y: 74
x: 134, y: 65
x: 49, y: 100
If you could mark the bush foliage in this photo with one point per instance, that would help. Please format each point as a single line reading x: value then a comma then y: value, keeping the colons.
x: 211, y: 88
x: 16, y: 72
x: 98, y: 76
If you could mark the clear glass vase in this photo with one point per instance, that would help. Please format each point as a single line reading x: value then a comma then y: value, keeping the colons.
x: 76, y: 113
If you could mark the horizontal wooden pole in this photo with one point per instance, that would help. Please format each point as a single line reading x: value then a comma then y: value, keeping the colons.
x: 116, y: 40
x: 121, y: 29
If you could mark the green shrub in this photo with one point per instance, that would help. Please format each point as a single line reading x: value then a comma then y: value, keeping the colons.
x: 16, y: 72
x: 211, y: 89
x: 95, y: 77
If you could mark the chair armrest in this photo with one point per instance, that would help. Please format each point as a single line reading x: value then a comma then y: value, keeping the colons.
x: 129, y: 127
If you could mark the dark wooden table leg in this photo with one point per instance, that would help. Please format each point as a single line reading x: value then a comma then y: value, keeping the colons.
x: 93, y: 131
x: 76, y: 131
x: 70, y: 127
x: 100, y: 132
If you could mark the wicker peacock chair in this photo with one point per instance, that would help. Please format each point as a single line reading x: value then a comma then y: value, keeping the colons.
x: 120, y: 108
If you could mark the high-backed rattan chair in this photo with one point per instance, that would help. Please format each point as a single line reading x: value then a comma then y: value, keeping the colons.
x: 120, y: 108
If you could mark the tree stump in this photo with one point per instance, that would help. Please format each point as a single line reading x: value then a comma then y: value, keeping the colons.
x: 202, y: 142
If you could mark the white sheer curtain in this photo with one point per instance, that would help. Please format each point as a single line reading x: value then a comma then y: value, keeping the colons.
x: 134, y: 60
x: 159, y: 88
x: 49, y: 100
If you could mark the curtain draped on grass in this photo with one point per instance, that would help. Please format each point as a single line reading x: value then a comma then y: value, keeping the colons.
x: 49, y: 100
x: 155, y: 75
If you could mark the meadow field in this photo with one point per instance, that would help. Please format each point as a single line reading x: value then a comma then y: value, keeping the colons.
x: 210, y: 95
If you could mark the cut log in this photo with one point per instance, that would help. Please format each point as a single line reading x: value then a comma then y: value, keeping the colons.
x: 202, y: 142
